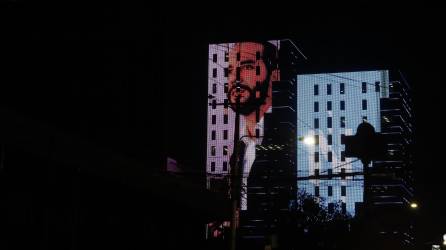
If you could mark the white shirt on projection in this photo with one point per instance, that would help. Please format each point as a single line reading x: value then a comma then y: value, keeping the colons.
x: 249, y: 156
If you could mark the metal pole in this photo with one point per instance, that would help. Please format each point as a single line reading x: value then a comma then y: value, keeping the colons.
x: 235, y: 192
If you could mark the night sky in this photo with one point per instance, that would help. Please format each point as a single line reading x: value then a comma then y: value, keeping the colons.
x: 133, y: 76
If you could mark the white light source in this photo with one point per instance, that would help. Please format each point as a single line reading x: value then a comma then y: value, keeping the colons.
x: 309, y: 140
x: 413, y: 205
x: 444, y: 237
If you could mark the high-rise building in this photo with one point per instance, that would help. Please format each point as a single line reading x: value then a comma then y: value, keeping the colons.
x: 330, y: 106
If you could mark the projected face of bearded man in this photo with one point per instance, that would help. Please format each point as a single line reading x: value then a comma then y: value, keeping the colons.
x: 254, y: 66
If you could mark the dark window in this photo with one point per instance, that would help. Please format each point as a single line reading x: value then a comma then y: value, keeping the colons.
x: 257, y: 133
x: 225, y: 134
x: 364, y: 104
x: 377, y: 87
x: 342, y: 122
x: 330, y: 207
x: 225, y: 119
x: 329, y: 122
x: 258, y: 70
x: 316, y: 123
x: 342, y: 139
x: 343, y: 173
x: 226, y: 56
x: 316, y: 89
x: 238, y: 56
x: 364, y: 87
x: 343, y: 191
x: 225, y: 166
x: 329, y: 172
x: 212, y: 166
x: 226, y: 72
x: 225, y: 103
x: 328, y: 105
x: 213, y: 150
x: 328, y: 89
x: 214, y: 88
x: 237, y: 73
x: 342, y: 89
x: 213, y: 135
x: 364, y: 118
x: 225, y: 150
x: 316, y: 107
x: 257, y: 115
x: 214, y: 119
x: 330, y: 191
x: 214, y: 73
x: 342, y: 105
x: 257, y: 55
x: 316, y: 156
x: 329, y: 139
x: 342, y: 155
x: 316, y: 139
x: 214, y: 104
x: 316, y: 191
x: 214, y: 58
x: 330, y: 156
x: 316, y: 172
x: 344, y: 207
x: 226, y: 87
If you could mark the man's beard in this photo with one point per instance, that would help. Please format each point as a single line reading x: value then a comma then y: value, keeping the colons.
x: 252, y: 103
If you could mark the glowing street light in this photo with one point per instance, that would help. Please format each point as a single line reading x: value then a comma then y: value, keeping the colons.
x: 413, y: 205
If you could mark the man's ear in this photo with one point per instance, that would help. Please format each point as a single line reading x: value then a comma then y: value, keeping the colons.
x: 275, y: 75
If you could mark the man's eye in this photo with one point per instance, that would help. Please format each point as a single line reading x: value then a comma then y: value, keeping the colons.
x: 248, y: 66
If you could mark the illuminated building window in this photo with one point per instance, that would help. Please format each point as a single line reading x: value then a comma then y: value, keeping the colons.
x: 329, y: 122
x: 328, y: 89
x: 330, y: 191
x: 214, y: 72
x: 225, y: 150
x: 225, y: 134
x: 316, y: 156
x: 213, y: 150
x: 214, y: 119
x: 225, y: 119
x: 213, y: 135
x: 316, y: 191
x: 377, y: 87
x: 329, y: 139
x: 342, y: 88
x: 344, y: 207
x: 342, y: 105
x: 364, y: 87
x: 328, y: 105
x: 226, y: 72
x: 343, y: 172
x: 343, y: 191
x: 316, y: 139
x: 225, y: 166
x: 330, y: 207
x: 316, y: 123
x: 214, y: 104
x: 226, y: 56
x: 364, y: 104
x: 212, y: 166
x: 226, y: 87
x: 257, y: 70
x: 214, y: 88
x: 257, y: 55
x: 342, y: 122
x: 316, y: 89
x: 342, y: 155
x: 316, y: 107
x: 214, y: 58
x: 225, y: 103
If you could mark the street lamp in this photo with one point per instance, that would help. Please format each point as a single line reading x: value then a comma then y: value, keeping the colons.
x: 414, y: 205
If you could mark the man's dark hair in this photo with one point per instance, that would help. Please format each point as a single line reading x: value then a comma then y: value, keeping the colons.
x: 270, y: 55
